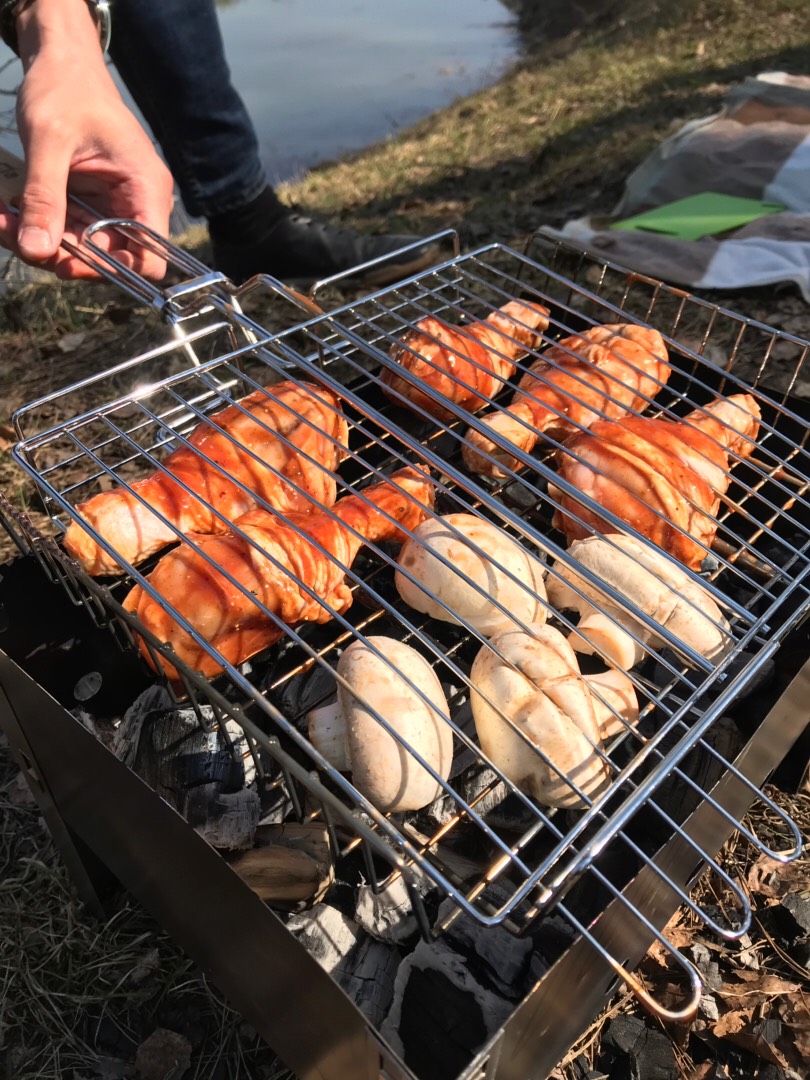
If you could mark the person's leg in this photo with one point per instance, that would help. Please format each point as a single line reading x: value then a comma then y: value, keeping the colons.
x: 171, y: 57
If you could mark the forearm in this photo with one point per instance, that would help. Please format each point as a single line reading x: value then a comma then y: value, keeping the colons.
x: 28, y: 26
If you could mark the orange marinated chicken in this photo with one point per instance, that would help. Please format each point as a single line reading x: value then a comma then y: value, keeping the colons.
x: 664, y: 478
x: 227, y: 615
x: 466, y: 364
x: 316, y: 434
x: 599, y: 375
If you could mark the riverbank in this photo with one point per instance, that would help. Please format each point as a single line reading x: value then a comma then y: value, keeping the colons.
x: 600, y: 84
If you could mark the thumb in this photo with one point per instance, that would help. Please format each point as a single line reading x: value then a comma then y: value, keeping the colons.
x: 43, y: 204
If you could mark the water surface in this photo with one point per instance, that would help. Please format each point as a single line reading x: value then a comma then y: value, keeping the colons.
x: 321, y: 78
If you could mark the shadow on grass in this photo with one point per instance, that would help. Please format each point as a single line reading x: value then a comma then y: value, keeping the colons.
x: 581, y: 170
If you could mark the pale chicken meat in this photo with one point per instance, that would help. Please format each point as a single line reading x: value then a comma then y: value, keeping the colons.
x: 541, y: 722
x: 601, y: 374
x: 465, y: 364
x: 664, y: 478
x: 633, y: 569
x: 281, y: 444
x: 311, y: 548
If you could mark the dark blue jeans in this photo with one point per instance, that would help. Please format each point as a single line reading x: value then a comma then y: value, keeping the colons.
x: 170, y: 55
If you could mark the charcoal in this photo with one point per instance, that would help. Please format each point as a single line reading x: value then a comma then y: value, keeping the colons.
x: 469, y: 786
x: 441, y: 1015
x: 800, y: 952
x: 551, y: 936
x: 797, y: 906
x: 88, y: 686
x: 538, y: 966
x: 770, y: 1071
x: 276, y: 805
x: 768, y: 1029
x: 386, y: 915
x: 195, y: 771
x: 367, y: 974
x: 630, y: 1044
x: 326, y: 933
x: 708, y: 1008
x: 790, y: 918
x: 497, y: 958
x: 708, y: 968
x: 226, y: 819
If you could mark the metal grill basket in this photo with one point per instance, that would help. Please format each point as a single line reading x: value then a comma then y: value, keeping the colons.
x: 756, y: 571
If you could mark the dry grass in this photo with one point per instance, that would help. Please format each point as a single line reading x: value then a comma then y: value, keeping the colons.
x: 78, y: 994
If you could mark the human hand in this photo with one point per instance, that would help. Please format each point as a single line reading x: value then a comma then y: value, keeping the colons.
x: 79, y: 138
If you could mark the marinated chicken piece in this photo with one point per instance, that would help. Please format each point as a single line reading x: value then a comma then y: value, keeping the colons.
x: 287, y: 552
x: 541, y: 722
x: 601, y: 375
x: 466, y: 364
x: 662, y: 477
x: 306, y: 416
x: 656, y: 586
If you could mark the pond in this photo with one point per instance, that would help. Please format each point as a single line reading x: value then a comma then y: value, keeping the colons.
x: 321, y: 78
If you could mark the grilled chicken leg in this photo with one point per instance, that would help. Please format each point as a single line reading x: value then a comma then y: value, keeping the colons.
x: 602, y: 374
x: 228, y: 616
x: 466, y: 364
x: 307, y: 417
x: 665, y: 478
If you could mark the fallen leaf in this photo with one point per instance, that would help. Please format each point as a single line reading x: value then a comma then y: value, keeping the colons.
x: 757, y: 989
x: 164, y: 1054
x: 774, y: 879
x: 708, y: 1070
x: 794, y: 1012
x: 756, y: 1045
x: 731, y: 1022
x: 679, y: 937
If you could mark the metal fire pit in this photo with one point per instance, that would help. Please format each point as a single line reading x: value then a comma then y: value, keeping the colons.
x: 635, y: 850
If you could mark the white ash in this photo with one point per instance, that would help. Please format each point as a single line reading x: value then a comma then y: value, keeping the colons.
x: 89, y: 723
x: 362, y: 966
x: 709, y: 969
x: 208, y: 776
x: 327, y: 934
x: 386, y: 915
x: 707, y: 1007
x: 157, y: 701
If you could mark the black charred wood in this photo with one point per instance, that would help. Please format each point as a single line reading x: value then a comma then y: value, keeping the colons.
x: 633, y: 1050
x: 790, y: 918
x: 441, y: 1015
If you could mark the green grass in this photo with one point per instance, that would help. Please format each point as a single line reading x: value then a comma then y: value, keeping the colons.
x: 562, y: 130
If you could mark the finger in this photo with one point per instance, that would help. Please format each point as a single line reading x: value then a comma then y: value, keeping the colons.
x: 44, y: 200
x: 126, y: 248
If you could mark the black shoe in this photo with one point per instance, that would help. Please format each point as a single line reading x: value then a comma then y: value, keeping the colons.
x: 299, y: 250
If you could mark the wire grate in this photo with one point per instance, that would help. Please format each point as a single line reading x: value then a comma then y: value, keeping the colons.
x: 755, y: 569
